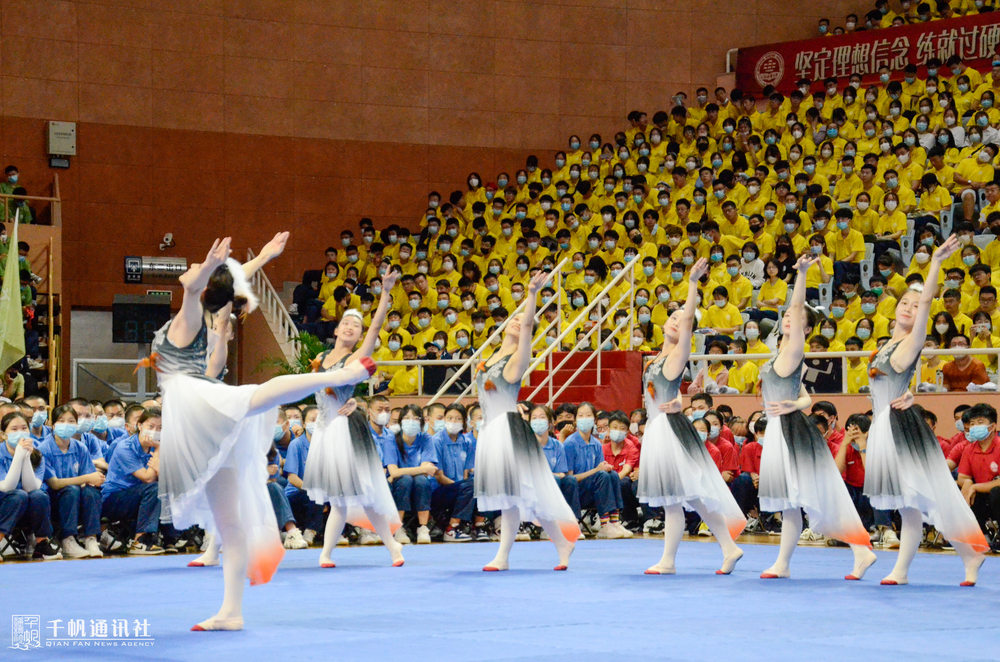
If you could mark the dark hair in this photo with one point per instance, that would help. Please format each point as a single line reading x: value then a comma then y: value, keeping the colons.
x: 820, y: 422
x: 978, y: 410
x: 860, y: 420
x: 36, y: 455
x: 407, y: 409
x: 460, y: 408
x: 152, y: 412
x: 219, y: 290
x: 826, y: 407
x: 705, y: 397
x: 63, y: 409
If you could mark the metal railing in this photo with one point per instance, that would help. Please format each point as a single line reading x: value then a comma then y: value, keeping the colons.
x: 627, y: 272
x: 421, y: 364
x: 489, y: 341
x: 56, y: 200
x: 281, y: 323
x: 104, y: 379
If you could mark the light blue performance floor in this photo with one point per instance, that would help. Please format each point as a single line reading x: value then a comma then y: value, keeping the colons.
x: 441, y: 606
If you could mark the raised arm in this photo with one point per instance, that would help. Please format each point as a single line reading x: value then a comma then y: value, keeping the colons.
x: 909, y: 348
x: 378, y: 319
x: 13, y: 476
x: 187, y: 323
x: 270, y: 251
x: 678, y: 356
x: 217, y: 361
x: 519, y: 361
x: 794, y: 342
x: 29, y: 481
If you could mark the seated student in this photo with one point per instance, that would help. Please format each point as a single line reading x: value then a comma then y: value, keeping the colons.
x: 541, y: 420
x: 714, y: 371
x: 85, y: 427
x: 727, y: 449
x: 282, y: 433
x: 452, y: 494
x: 623, y: 456
x: 977, y: 472
x: 598, y: 486
x: 849, y: 454
x: 115, y: 411
x: 411, y: 460
x: 405, y: 380
x: 857, y: 367
x: 746, y: 484
x: 931, y: 419
x: 304, y: 510
x: 744, y: 374
x: 22, y: 501
x: 291, y: 536
x: 130, y: 489
x: 73, y: 486
x: 963, y: 370
x: 39, y: 416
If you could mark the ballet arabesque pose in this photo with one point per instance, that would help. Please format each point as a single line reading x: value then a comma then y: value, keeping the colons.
x: 213, y: 466
x: 343, y: 467
x: 797, y: 470
x: 512, y: 473
x: 677, y: 470
x: 905, y: 469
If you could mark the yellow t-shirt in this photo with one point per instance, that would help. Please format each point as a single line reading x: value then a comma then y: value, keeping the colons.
x: 404, y: 382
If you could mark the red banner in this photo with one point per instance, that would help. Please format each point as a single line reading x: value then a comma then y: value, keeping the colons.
x: 974, y: 38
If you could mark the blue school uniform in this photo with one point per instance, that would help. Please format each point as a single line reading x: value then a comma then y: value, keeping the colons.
x: 600, y: 490
x: 7, y: 458
x: 453, y: 456
x: 308, y: 514
x: 556, y: 455
x: 128, y: 458
x: 74, y: 461
x: 97, y: 447
x: 582, y: 456
x: 32, y: 509
x: 470, y: 462
x: 386, y: 437
x: 411, y: 492
x: 423, y: 449
x: 295, y: 462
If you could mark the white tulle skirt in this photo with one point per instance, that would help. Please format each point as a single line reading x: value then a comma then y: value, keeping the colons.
x: 343, y: 469
x: 205, y: 429
x: 512, y: 472
x: 797, y: 470
x: 905, y: 468
x: 680, y: 472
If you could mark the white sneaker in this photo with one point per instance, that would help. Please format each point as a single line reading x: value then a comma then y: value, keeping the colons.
x: 109, y: 543
x: 621, y: 528
x: 343, y: 541
x: 401, y: 536
x: 309, y: 536
x: 367, y: 537
x: 890, y: 540
x: 609, y: 532
x: 522, y: 533
x: 71, y: 549
x: 294, y: 540
x: 810, y: 536
x: 423, y: 535
x: 544, y: 535
x: 92, y: 547
x: 704, y: 531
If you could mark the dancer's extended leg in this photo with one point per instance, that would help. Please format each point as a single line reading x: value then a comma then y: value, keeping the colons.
x: 334, y: 528
x: 210, y: 557
x: 673, y: 531
x: 563, y: 546
x: 221, y: 491
x: 381, y: 525
x: 791, y: 529
x: 508, y: 532
x: 972, y: 559
x: 717, y: 525
x: 292, y: 388
x: 909, y: 540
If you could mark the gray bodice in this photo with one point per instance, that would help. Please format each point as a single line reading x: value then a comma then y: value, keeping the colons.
x: 340, y: 393
x: 775, y: 388
x: 191, y: 360
x: 887, y: 384
x: 657, y: 389
x: 496, y: 395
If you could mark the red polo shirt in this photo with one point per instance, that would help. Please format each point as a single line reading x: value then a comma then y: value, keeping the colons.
x: 945, y: 445
x: 730, y: 456
x: 629, y: 455
x: 956, y: 452
x: 637, y: 442
x: 716, y: 455
x: 750, y: 457
x: 854, y: 469
x: 982, y: 466
x: 836, y: 436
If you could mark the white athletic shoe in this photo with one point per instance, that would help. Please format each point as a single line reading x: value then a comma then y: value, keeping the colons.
x: 309, y: 536
x: 809, y: 536
x: 609, y: 532
x: 109, y: 543
x: 890, y: 540
x: 621, y: 528
x: 401, y: 536
x: 93, y: 548
x: 423, y: 535
x: 294, y: 540
x: 367, y: 537
x: 71, y: 549
x: 343, y: 541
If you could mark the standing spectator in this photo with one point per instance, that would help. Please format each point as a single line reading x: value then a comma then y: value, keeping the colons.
x: 963, y: 370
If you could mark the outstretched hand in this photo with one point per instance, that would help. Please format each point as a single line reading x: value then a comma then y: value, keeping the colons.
x: 779, y: 408
x: 675, y: 406
x: 903, y: 402
x: 198, y: 274
x: 389, y: 280
x: 699, y: 269
x: 944, y: 251
x: 805, y: 261
x: 538, y: 282
x: 275, y: 247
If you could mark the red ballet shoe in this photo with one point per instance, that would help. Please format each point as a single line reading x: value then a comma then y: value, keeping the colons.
x: 889, y: 582
x: 328, y: 565
x: 967, y: 584
x: 770, y: 575
x: 561, y: 567
x: 198, y: 628
x: 398, y: 564
x: 196, y: 564
x: 852, y: 578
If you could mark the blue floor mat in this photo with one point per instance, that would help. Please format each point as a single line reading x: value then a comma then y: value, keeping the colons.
x: 441, y: 606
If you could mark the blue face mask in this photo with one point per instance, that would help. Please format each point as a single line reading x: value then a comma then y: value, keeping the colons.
x: 65, y: 430
x: 977, y: 432
x: 279, y: 431
x: 101, y: 424
x: 695, y: 415
x: 86, y: 424
x: 38, y: 419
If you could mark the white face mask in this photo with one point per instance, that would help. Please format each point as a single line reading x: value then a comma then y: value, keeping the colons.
x: 453, y: 427
x: 383, y: 418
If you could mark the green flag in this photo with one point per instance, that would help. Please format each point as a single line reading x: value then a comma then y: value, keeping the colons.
x: 11, y: 318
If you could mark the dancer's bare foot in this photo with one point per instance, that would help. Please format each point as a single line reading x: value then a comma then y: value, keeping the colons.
x: 861, y: 566
x: 219, y: 624
x: 325, y: 562
x: 396, y: 552
x: 661, y: 570
x: 972, y: 570
x: 729, y: 563
x: 774, y: 572
x: 496, y: 565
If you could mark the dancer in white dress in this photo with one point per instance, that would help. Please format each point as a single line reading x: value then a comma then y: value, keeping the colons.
x: 512, y: 473
x: 677, y: 470
x: 213, y: 469
x: 343, y: 467
x: 905, y: 469
x: 797, y: 469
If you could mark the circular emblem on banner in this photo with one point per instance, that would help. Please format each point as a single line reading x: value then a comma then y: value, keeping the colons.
x: 993, y: 467
x: 770, y: 68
